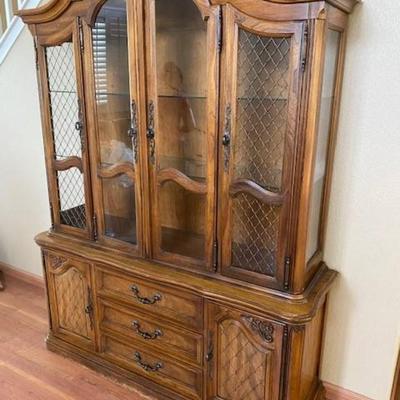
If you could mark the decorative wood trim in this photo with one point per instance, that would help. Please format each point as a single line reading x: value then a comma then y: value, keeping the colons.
x: 261, y: 194
x: 172, y: 174
x: 69, y: 162
x: 334, y: 392
x: 21, y: 275
x: 117, y: 170
x: 396, y: 382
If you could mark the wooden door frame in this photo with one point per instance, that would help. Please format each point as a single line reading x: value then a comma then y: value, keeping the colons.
x: 233, y: 20
x: 71, y: 34
x: 210, y: 13
x: 117, y: 169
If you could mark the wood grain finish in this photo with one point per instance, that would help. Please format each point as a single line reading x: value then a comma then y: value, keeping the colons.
x: 153, y: 333
x: 189, y: 274
x: 178, y: 306
x: 155, y: 367
x: 71, y: 299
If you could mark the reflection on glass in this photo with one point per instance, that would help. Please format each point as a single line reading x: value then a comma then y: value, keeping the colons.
x: 119, y: 208
x: 110, y: 55
x: 261, y: 120
x: 182, y: 220
x: 328, y: 88
x: 181, y: 40
x: 181, y: 62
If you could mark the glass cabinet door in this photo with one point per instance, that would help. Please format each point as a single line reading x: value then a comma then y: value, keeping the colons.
x: 65, y: 134
x: 115, y: 113
x: 181, y: 128
x: 260, y: 72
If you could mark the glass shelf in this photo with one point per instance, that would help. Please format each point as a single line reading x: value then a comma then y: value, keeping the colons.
x: 182, y: 96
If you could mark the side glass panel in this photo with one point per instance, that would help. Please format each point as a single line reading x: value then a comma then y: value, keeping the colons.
x: 65, y: 114
x: 181, y: 137
x: 328, y: 88
x: 258, y: 151
x: 111, y: 72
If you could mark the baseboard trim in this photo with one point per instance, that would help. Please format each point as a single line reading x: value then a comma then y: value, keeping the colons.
x: 333, y: 392
x: 20, y: 274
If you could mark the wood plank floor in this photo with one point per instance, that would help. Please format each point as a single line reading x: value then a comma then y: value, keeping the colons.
x: 28, y: 371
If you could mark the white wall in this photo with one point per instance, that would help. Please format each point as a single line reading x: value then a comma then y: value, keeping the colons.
x: 363, y: 240
x: 24, y: 209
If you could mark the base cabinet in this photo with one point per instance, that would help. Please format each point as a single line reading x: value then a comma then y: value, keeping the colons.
x: 245, y: 355
x: 186, y: 337
x: 70, y: 299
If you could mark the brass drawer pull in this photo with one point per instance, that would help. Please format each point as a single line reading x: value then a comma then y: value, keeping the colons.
x: 147, y: 367
x: 144, y: 300
x: 146, y: 335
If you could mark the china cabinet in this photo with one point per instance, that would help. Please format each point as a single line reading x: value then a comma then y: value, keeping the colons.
x: 189, y: 150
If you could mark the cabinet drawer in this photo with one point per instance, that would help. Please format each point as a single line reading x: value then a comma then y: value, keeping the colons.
x: 160, y: 369
x: 183, y: 308
x: 151, y: 332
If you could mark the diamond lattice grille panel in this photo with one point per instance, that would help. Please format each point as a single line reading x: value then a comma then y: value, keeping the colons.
x: 64, y: 100
x: 242, y: 366
x: 263, y: 81
x: 72, y: 198
x: 71, y: 294
x: 255, y: 235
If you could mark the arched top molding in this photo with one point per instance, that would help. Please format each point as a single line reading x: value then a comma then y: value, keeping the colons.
x: 259, y: 8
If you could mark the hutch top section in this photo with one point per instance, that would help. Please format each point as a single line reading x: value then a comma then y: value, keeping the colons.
x: 197, y: 134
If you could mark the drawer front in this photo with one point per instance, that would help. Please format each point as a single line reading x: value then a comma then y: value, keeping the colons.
x: 147, y: 331
x: 182, y: 379
x: 183, y: 308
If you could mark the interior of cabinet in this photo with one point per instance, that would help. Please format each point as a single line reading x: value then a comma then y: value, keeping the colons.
x: 181, y: 67
x: 111, y: 68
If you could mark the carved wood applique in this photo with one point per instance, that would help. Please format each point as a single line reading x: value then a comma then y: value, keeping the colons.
x: 56, y: 261
x: 264, y: 329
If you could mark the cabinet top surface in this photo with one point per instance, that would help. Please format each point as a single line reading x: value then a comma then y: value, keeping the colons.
x: 55, y: 8
x: 292, y: 309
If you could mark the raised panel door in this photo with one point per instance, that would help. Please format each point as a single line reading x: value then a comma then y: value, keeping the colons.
x: 244, y: 356
x: 71, y: 305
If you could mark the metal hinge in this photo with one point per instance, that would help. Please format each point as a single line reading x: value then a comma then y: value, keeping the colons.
x: 89, y: 308
x: 95, y: 233
x: 219, y: 31
x: 36, y: 52
x: 215, y: 256
x: 210, y: 354
x: 306, y: 34
x: 80, y: 34
x: 51, y: 215
x: 283, y: 386
x: 80, y: 127
x: 288, y: 262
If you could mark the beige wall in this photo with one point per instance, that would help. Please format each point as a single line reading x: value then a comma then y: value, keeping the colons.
x: 24, y: 207
x: 363, y: 235
x: 364, y: 224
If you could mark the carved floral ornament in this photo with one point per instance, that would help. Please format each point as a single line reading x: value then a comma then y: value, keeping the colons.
x: 264, y: 329
x: 57, y: 261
